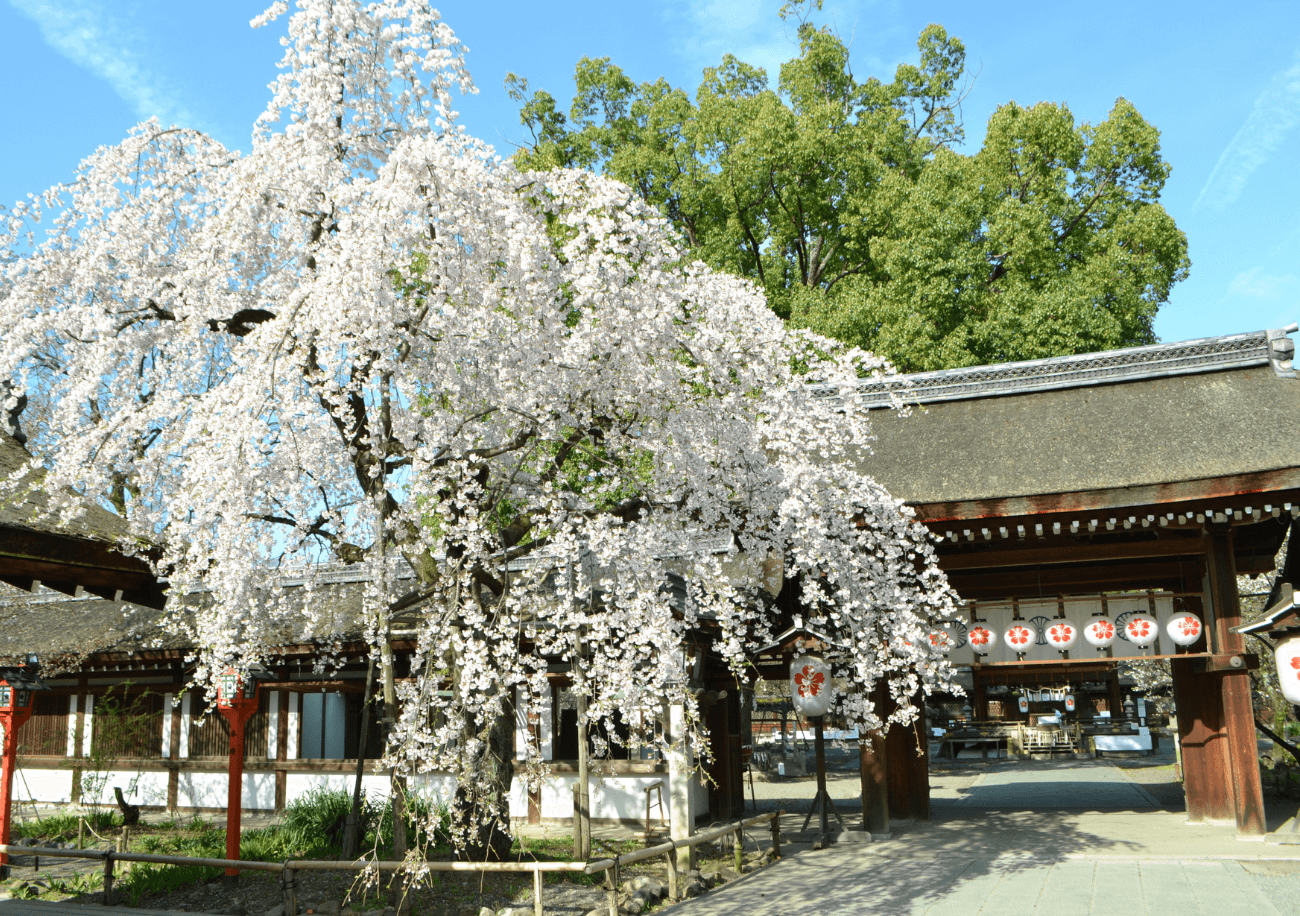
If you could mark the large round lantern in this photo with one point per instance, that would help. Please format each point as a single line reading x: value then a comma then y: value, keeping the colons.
x: 982, y: 639
x: 1141, y: 630
x: 1019, y: 637
x: 1069, y: 702
x: 1184, y: 629
x: 1062, y: 634
x: 1024, y: 703
x: 810, y: 685
x: 1288, y: 667
x: 1100, y: 632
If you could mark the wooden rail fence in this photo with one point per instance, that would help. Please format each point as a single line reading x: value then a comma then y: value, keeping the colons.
x: 289, y: 868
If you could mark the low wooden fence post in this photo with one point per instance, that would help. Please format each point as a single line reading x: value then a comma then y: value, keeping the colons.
x: 108, y: 879
x: 537, y: 892
x: 673, y: 881
x: 612, y: 882
x: 290, y: 892
x: 776, y: 836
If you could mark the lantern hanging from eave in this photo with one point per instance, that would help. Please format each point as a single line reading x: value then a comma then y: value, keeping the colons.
x: 1069, y: 702
x: 1018, y: 637
x: 1288, y: 666
x: 1062, y: 634
x: 1141, y: 630
x: 1024, y: 703
x: 1100, y: 632
x: 982, y: 639
x: 1184, y: 629
x: 810, y: 685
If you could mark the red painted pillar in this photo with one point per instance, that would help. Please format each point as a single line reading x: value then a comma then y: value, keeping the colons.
x: 11, y: 720
x: 236, y: 701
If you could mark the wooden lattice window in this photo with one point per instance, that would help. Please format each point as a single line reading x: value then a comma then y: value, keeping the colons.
x: 46, y: 732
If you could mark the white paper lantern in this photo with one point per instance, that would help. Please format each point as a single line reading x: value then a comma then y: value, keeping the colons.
x: 1018, y: 637
x: 942, y: 641
x: 810, y: 685
x: 1141, y: 630
x: 1024, y: 704
x: 1100, y: 632
x: 1062, y: 634
x: 982, y: 639
x: 1069, y: 702
x: 1288, y: 667
x: 1184, y: 629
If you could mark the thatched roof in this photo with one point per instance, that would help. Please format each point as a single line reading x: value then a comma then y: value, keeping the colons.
x: 1158, y: 416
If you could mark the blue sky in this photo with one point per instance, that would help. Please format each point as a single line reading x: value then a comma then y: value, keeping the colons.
x: 1221, y: 81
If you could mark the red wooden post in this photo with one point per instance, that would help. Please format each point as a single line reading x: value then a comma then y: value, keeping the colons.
x: 236, y: 701
x: 15, y: 709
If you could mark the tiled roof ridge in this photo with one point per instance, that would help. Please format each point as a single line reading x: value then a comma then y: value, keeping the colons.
x: 1206, y: 354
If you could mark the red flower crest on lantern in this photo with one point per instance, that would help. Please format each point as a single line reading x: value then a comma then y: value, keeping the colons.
x: 1060, y: 633
x: 1018, y: 636
x: 1103, y: 629
x: 809, y: 681
x: 1189, y: 626
x: 1138, y: 627
x: 939, y: 639
x: 1295, y: 663
x: 979, y: 636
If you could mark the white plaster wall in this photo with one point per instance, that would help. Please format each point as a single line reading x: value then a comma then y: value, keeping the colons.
x: 209, y: 790
x: 43, y: 784
x: 612, y: 797
x: 150, y: 788
x: 437, y: 786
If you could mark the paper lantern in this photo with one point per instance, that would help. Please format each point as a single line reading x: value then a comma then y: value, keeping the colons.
x: 810, y: 685
x: 1100, y: 632
x: 940, y: 641
x: 1141, y: 630
x: 1019, y: 637
x: 1069, y: 702
x: 1288, y: 667
x: 1184, y: 629
x: 1062, y: 634
x: 982, y: 639
x: 1024, y: 704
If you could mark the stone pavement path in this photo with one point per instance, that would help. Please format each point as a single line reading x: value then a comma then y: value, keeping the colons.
x: 845, y: 880
x: 1011, y: 838
x: 1088, y: 785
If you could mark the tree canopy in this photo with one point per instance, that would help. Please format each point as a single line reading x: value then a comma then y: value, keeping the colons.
x: 852, y: 205
x: 369, y: 338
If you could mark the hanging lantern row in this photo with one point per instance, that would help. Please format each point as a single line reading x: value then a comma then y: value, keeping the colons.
x: 1061, y: 634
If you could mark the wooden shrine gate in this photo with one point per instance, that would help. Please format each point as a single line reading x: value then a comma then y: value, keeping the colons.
x: 1164, y: 470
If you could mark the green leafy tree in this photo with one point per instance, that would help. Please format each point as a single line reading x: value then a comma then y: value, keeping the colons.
x: 850, y: 203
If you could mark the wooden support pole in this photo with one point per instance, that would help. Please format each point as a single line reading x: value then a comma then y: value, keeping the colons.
x: 1234, y: 686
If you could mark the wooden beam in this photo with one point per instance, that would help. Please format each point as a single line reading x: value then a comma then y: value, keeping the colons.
x: 1074, y: 553
x: 1080, y: 579
x: 1279, y: 486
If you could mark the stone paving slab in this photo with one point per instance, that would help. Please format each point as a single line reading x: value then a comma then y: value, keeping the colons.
x: 830, y: 883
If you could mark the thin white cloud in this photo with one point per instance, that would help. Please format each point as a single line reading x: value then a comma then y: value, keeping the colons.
x: 1275, y: 113
x: 1256, y: 284
x: 103, y: 42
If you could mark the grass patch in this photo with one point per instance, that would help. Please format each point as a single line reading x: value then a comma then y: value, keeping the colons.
x: 65, y: 825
